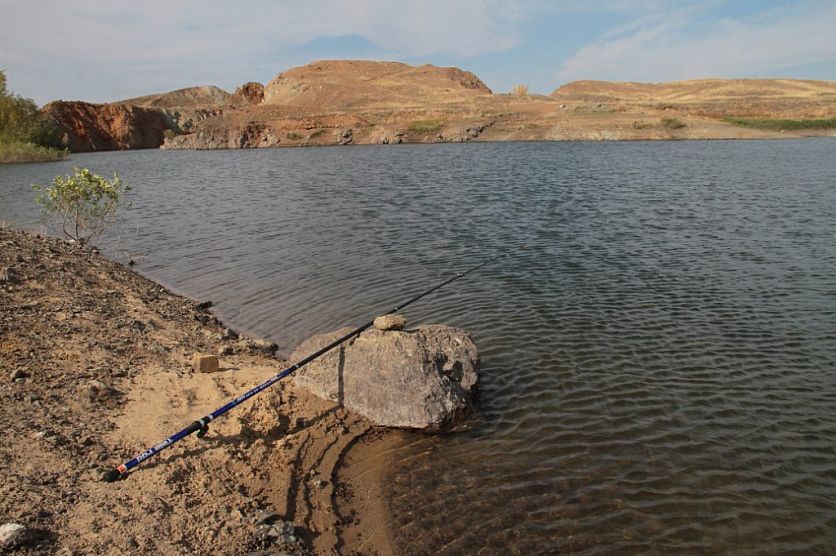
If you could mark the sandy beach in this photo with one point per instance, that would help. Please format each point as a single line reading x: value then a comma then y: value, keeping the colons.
x: 97, y: 364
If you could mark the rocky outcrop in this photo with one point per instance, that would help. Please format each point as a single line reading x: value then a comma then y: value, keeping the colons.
x: 107, y: 127
x: 417, y: 379
x: 249, y: 136
x: 250, y: 93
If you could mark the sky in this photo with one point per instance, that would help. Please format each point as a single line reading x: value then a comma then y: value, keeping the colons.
x: 106, y: 50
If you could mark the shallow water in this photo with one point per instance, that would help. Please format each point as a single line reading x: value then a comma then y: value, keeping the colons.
x: 659, y: 368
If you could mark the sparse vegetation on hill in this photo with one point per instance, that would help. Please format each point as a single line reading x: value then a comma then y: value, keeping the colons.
x: 26, y: 135
x: 672, y: 123
x: 426, y: 126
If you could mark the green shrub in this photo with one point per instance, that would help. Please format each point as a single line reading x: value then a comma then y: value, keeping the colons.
x: 82, y: 205
x: 672, y: 123
x: 426, y: 126
x: 27, y: 152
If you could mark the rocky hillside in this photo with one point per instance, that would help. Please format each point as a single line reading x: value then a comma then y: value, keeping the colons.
x: 341, y: 102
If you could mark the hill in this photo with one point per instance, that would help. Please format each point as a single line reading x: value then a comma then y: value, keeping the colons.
x: 719, y: 98
x: 341, y: 102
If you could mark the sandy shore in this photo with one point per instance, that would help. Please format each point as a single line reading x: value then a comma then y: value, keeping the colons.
x: 96, y: 364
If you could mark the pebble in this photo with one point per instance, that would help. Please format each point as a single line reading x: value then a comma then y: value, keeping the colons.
x: 18, y: 374
x: 266, y: 517
x: 225, y: 350
x: 11, y: 534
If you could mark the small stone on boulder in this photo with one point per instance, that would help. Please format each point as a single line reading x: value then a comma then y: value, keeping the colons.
x: 205, y: 363
x: 390, y: 322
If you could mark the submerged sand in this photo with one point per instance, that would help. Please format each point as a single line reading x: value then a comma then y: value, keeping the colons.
x: 96, y: 364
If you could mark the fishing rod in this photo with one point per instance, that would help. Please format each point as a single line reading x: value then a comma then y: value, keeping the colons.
x: 201, y: 426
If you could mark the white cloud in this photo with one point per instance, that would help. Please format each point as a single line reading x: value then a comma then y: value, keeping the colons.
x: 671, y: 45
x: 43, y: 41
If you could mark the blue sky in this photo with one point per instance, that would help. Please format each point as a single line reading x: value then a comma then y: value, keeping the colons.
x: 104, y: 50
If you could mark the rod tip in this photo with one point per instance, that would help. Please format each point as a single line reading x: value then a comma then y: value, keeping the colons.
x: 111, y: 476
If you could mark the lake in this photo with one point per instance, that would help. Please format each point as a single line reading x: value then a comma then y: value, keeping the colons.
x: 658, y: 367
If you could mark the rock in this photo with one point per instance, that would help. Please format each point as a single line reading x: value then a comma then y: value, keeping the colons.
x: 11, y: 534
x: 229, y: 334
x: 8, y: 275
x: 18, y: 374
x: 265, y: 347
x: 250, y: 93
x: 205, y: 363
x: 225, y: 350
x: 346, y: 137
x: 203, y: 305
x: 266, y: 517
x: 97, y: 391
x: 390, y: 322
x: 418, y: 379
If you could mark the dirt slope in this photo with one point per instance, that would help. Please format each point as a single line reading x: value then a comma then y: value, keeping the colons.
x: 96, y: 367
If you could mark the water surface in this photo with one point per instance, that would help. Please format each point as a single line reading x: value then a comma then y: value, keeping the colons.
x: 659, y: 368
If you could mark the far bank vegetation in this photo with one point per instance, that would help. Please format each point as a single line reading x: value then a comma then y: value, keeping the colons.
x: 520, y: 90
x: 426, y: 126
x: 26, y: 135
x: 781, y: 125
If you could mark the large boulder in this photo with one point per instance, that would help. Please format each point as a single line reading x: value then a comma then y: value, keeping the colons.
x: 418, y: 379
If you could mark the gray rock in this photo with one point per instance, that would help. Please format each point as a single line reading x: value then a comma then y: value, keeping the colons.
x: 263, y: 346
x: 418, y: 379
x: 265, y: 517
x: 390, y: 322
x: 11, y: 534
x: 8, y: 275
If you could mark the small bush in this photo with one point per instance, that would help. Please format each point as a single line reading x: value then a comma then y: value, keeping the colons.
x: 520, y: 90
x: 426, y: 126
x: 672, y: 123
x: 82, y: 205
